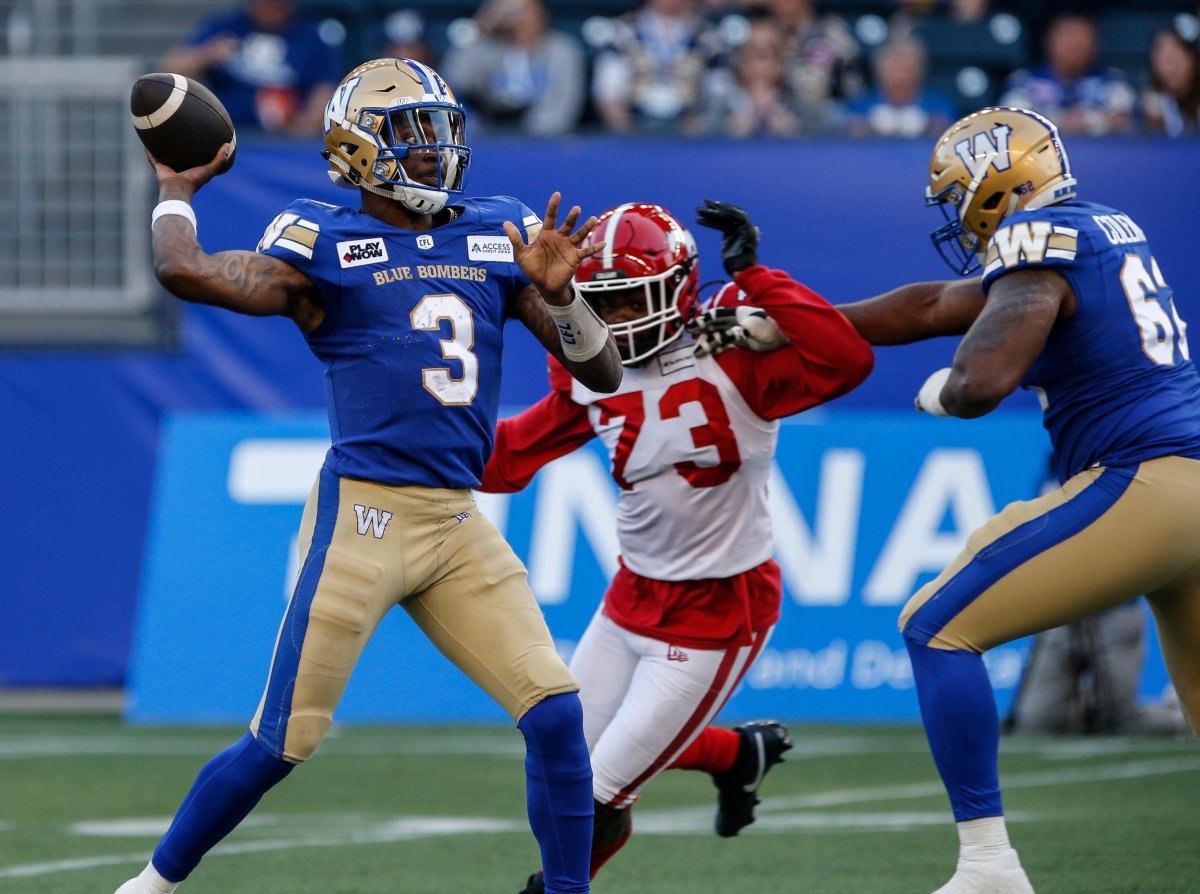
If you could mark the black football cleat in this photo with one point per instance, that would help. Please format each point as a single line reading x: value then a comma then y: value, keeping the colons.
x: 536, y: 884
x: 762, y: 747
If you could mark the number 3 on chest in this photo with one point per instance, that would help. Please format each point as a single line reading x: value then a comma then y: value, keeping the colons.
x: 438, y: 381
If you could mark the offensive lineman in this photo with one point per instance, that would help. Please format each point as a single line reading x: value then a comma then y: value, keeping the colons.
x: 691, y: 438
x: 1073, y: 305
x: 403, y: 302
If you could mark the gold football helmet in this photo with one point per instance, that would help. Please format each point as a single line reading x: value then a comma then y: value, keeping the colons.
x: 394, y: 127
x: 986, y: 166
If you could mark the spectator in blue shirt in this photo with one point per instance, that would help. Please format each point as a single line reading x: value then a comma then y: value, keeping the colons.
x: 1072, y: 88
x: 271, y: 67
x: 900, y: 105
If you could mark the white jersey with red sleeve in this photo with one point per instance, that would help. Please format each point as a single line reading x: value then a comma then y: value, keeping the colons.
x: 692, y: 461
x: 691, y: 439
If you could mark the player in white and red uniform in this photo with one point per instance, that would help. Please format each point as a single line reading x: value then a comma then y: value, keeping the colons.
x: 691, y: 437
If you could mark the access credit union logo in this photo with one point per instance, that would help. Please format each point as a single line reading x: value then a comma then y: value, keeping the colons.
x: 489, y: 248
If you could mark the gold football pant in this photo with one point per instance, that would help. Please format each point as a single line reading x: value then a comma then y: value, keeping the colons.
x: 1103, y: 538
x: 366, y: 547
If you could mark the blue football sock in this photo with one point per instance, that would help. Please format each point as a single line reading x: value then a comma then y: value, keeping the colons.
x: 226, y: 789
x: 962, y: 724
x: 558, y: 777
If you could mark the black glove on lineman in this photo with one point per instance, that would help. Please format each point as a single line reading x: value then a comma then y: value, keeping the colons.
x: 739, y: 236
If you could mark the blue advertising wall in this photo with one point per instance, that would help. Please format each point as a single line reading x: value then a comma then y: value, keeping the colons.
x: 867, y: 507
x: 81, y: 439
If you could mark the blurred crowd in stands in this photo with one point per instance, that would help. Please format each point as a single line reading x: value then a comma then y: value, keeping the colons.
x: 731, y: 68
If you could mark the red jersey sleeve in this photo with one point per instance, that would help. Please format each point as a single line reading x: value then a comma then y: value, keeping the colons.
x: 826, y: 358
x: 551, y: 428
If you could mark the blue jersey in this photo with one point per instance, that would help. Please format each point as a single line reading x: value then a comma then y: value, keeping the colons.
x: 412, y: 334
x: 1115, y: 379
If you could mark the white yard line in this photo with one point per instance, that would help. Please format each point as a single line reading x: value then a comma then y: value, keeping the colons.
x: 56, y: 746
x: 410, y: 829
x: 1041, y: 779
x: 776, y: 813
x: 699, y: 821
x: 511, y: 746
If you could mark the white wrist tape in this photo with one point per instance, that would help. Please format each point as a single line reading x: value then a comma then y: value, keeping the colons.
x: 929, y: 398
x: 583, y: 334
x: 174, y: 206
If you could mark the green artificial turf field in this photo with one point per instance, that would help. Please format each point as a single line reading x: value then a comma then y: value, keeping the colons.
x: 422, y: 810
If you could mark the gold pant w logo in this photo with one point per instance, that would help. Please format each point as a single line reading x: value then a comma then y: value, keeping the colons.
x: 438, y: 558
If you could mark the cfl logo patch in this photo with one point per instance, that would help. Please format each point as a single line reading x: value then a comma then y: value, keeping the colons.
x: 371, y: 519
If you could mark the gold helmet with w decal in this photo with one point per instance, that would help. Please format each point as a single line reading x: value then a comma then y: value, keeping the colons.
x: 986, y: 166
x: 394, y: 127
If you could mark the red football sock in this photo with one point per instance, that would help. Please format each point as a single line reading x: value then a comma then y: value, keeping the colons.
x: 601, y: 855
x: 713, y: 751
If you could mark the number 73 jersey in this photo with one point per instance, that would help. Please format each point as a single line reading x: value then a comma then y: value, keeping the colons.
x: 690, y: 457
x: 692, y: 460
x: 412, y: 334
x: 691, y: 439
x: 1116, y: 379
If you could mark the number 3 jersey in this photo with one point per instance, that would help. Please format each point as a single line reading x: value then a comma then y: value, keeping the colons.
x: 412, y: 334
x: 691, y: 441
x: 1115, y: 379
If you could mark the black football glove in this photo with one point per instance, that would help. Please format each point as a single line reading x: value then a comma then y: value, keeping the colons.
x: 739, y: 236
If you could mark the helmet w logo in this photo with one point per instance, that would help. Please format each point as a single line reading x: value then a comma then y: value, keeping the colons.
x: 339, y: 104
x: 985, y: 150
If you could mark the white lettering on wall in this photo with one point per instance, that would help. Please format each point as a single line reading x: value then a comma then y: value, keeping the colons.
x: 867, y: 665
x: 950, y: 481
x: 575, y: 496
x: 574, y: 493
x: 818, y: 565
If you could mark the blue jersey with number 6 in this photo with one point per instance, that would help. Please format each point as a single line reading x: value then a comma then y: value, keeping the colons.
x: 412, y: 334
x: 1115, y: 379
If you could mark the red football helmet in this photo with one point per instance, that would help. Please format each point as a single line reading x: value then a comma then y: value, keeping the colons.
x: 645, y: 281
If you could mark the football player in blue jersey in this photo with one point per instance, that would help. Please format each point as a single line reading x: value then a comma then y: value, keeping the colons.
x: 403, y: 302
x: 1073, y: 305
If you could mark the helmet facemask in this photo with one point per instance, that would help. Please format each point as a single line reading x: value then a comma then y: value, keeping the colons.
x: 958, y: 246
x: 431, y: 138
x: 656, y: 298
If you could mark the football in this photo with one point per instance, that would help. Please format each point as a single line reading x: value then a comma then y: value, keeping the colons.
x: 179, y: 120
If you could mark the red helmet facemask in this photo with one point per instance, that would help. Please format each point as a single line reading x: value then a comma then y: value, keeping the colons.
x: 647, y: 276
